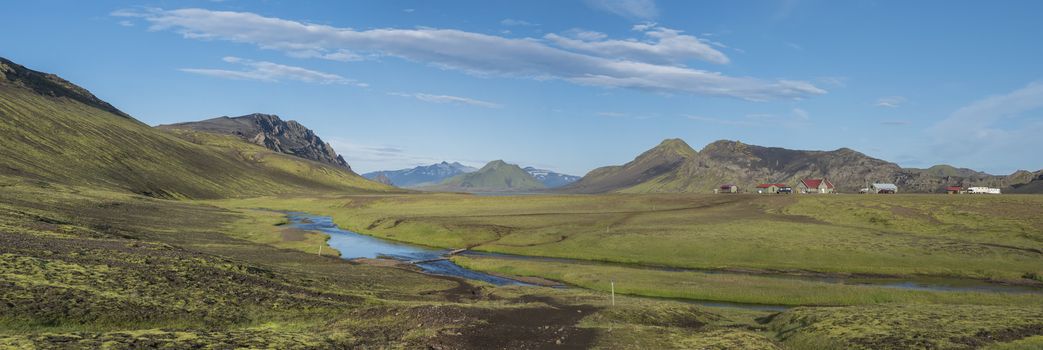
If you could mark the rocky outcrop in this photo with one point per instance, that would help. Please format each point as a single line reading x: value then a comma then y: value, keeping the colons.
x: 272, y: 132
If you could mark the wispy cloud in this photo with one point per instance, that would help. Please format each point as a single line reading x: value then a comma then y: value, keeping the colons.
x: 432, y: 98
x: 268, y: 71
x: 368, y: 157
x: 796, y: 117
x: 664, y: 45
x: 339, y: 55
x: 126, y: 23
x: 890, y: 101
x: 833, y: 81
x: 633, y: 9
x: 622, y: 115
x: 474, y: 53
x: 1006, y: 124
x: 896, y: 122
x: 517, y: 23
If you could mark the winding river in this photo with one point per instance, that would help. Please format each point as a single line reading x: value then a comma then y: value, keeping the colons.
x: 354, y: 245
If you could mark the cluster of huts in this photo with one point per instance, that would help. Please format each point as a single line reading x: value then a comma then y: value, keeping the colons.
x: 824, y: 186
x: 804, y: 186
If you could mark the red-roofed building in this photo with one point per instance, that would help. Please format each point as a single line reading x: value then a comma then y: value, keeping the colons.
x: 773, y: 188
x: 953, y: 189
x: 728, y: 188
x: 815, y: 186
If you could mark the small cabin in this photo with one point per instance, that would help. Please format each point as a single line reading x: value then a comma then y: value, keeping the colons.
x: 772, y: 188
x: 728, y: 188
x: 883, y: 188
x: 953, y: 189
x: 815, y: 186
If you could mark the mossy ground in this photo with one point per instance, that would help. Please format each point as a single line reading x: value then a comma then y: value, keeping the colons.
x: 986, y: 238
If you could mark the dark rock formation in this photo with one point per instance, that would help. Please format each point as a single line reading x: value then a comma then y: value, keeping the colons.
x: 270, y: 131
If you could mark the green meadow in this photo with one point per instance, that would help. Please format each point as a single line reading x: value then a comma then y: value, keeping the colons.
x: 990, y: 238
x: 85, y: 268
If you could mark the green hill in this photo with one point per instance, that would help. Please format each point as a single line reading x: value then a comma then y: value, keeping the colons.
x: 55, y: 131
x: 497, y: 176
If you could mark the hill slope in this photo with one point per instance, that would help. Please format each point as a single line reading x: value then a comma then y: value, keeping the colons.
x: 422, y: 175
x: 64, y: 134
x: 273, y: 133
x: 673, y: 167
x: 497, y: 176
x: 658, y: 161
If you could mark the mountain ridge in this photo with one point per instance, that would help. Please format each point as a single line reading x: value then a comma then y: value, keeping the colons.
x: 422, y: 175
x: 48, y: 84
x: 495, y: 176
x: 671, y: 167
x: 270, y: 131
x: 54, y: 138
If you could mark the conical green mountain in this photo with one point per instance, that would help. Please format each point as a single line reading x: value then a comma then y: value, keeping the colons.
x: 57, y: 132
x: 663, y: 159
x: 496, y: 176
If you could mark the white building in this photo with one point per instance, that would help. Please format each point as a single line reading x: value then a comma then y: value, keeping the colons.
x: 883, y: 188
x: 983, y: 190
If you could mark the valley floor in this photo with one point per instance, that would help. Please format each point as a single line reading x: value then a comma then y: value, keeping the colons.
x: 85, y: 268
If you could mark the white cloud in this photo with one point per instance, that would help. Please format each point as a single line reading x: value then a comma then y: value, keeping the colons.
x: 517, y: 23
x: 474, y: 53
x: 796, y: 118
x: 895, y: 122
x: 633, y: 9
x: 1000, y: 132
x: 126, y: 23
x: 664, y: 45
x: 339, y: 55
x: 801, y: 114
x: 408, y: 10
x: 432, y: 98
x: 620, y: 115
x: 367, y: 157
x: 890, y: 101
x: 833, y: 81
x: 268, y: 71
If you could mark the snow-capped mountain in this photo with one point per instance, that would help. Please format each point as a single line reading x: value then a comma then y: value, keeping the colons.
x: 549, y: 178
x: 422, y: 175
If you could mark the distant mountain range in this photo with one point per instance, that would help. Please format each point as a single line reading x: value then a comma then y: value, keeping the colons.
x: 270, y: 131
x: 673, y: 166
x: 549, y: 178
x: 421, y: 175
x: 436, y: 174
x: 497, y: 176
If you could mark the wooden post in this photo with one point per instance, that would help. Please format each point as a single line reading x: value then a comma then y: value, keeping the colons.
x: 613, y: 292
x: 320, y: 249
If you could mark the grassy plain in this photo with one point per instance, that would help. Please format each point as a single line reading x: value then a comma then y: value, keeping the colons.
x: 85, y: 268
x: 981, y: 237
x: 736, y: 288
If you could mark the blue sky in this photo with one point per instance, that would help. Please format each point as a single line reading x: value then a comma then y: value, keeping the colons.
x: 568, y: 85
